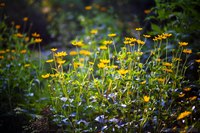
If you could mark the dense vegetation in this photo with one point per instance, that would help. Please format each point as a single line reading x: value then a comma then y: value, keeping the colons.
x: 102, y: 73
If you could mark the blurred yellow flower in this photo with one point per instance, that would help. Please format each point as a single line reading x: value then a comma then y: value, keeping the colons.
x: 167, y: 64
x: 77, y: 64
x: 140, y: 42
x: 35, y: 34
x: 112, y: 35
x: 25, y: 19
x: 147, y: 11
x: 19, y: 35
x: 84, y: 52
x: 88, y: 7
x: 198, y: 61
x: 168, y: 70
x: 146, y: 99
x: 101, y: 65
x: 181, y: 95
x: 183, y: 43
x: 60, y: 62
x: 23, y: 51
x: 2, y: 51
x: 49, y: 61
x: 61, y: 54
x: 1, y: 57
x: 122, y: 71
x: 107, y: 42
x: 38, y: 40
x: 192, y: 98
x: 54, y: 49
x: 27, y: 65
x: 183, y: 115
x: 143, y: 82
x: 77, y: 43
x: 94, y: 31
x: 91, y: 63
x: 17, y: 26
x: 147, y: 36
x: 103, y: 47
x: 72, y: 53
x: 161, y: 80
x: 138, y: 29
x: 177, y: 59
x: 104, y: 61
x: 187, y: 51
x: 45, y: 76
x: 187, y: 89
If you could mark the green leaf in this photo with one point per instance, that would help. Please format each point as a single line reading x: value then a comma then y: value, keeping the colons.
x: 155, y: 28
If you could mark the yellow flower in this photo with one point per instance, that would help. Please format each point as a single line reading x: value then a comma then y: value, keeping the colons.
x: 88, y: 7
x: 45, y: 76
x: 94, y: 31
x: 103, y: 47
x: 143, y: 82
x: 23, y: 51
x: 177, y: 59
x: 112, y: 35
x: 27, y: 65
x: 147, y: 36
x: 122, y: 71
x: 198, y: 61
x: 2, y: 51
x: 168, y: 70
x: 161, y: 80
x: 38, y: 40
x: 183, y: 115
x: 2, y: 4
x: 167, y: 64
x: 181, y: 94
x: 61, y: 54
x: 192, y: 98
x: 25, y: 19
x: 54, y: 75
x: 91, y: 63
x: 113, y: 66
x: 146, y: 99
x: 13, y: 51
x: 101, y: 65
x: 77, y: 64
x: 84, y: 52
x: 140, y: 42
x: 187, y: 89
x: 187, y: 51
x: 19, y: 35
x: 183, y: 43
x: 138, y: 29
x: 104, y: 61
x: 147, y: 11
x: 158, y: 60
x: 72, y: 53
x: 138, y: 53
x: 2, y: 57
x: 17, y: 26
x: 49, y: 61
x: 60, y: 62
x: 54, y: 49
x: 77, y: 43
x: 81, y: 59
x: 107, y: 42
x: 35, y: 34
x: 26, y: 39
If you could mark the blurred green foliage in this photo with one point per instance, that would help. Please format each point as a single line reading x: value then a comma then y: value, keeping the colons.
x: 180, y: 17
